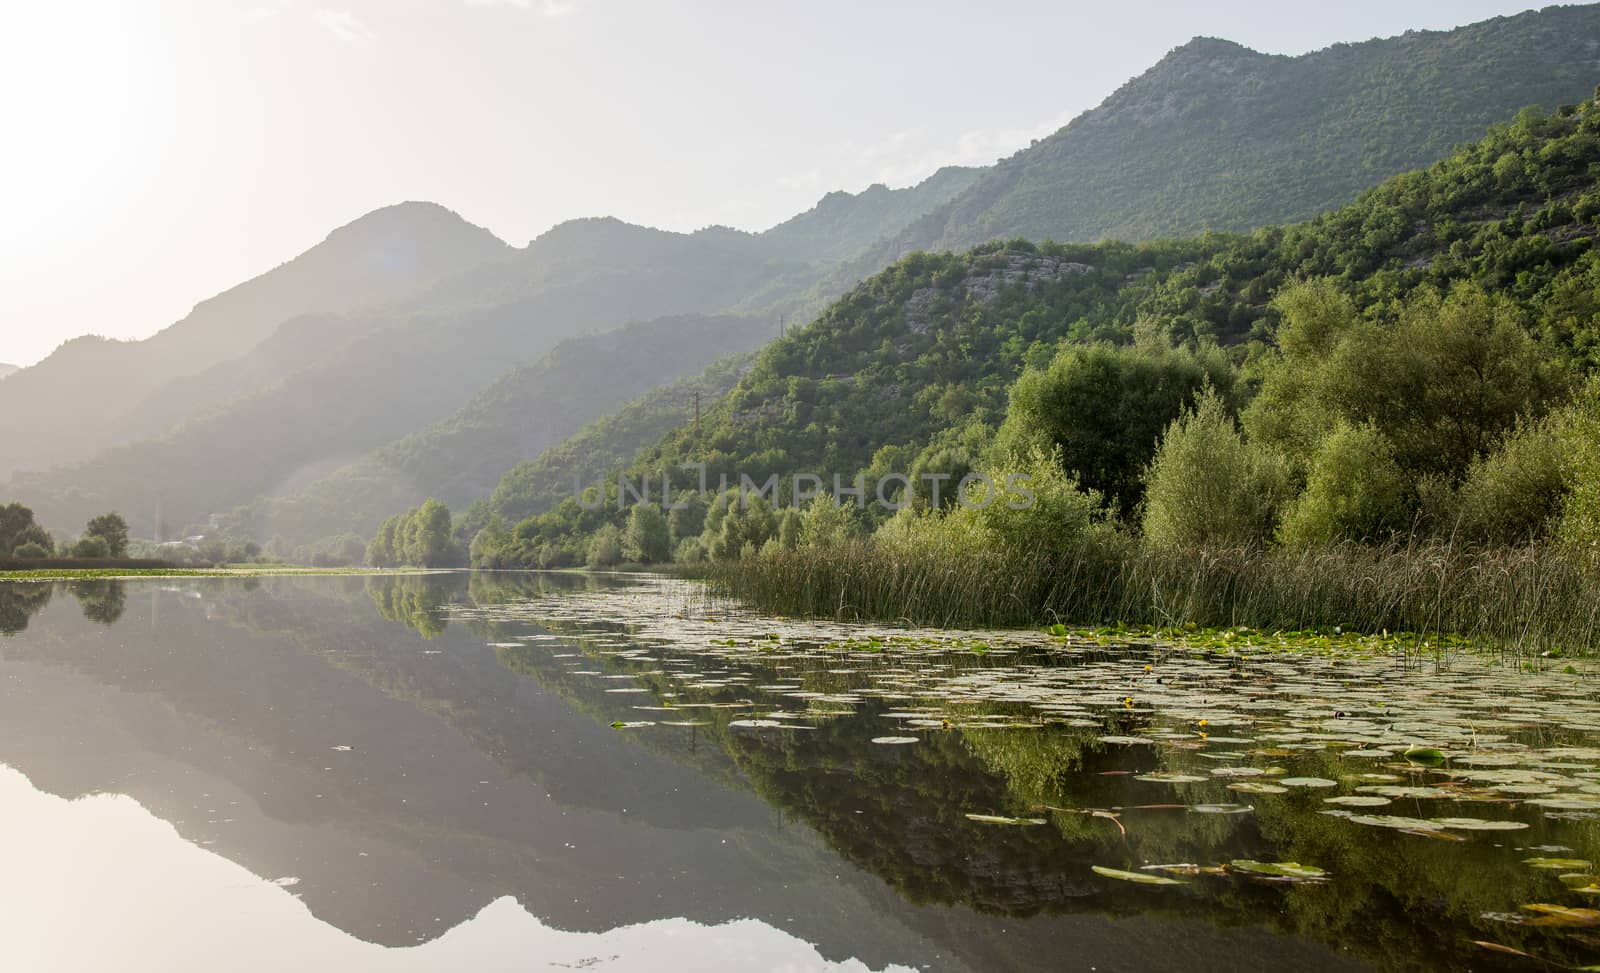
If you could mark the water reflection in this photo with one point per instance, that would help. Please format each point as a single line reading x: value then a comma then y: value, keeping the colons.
x: 414, y: 773
x: 157, y: 902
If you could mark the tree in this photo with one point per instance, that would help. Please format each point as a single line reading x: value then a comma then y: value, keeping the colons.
x: 605, y: 547
x: 647, y: 538
x: 492, y: 547
x: 91, y: 546
x: 17, y: 528
x: 1102, y: 409
x: 1207, y: 488
x: 112, y: 529
x: 1356, y: 491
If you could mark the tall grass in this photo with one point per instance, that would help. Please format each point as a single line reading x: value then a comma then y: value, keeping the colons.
x: 1526, y: 599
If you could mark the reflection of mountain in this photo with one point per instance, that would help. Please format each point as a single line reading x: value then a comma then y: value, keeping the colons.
x: 225, y: 708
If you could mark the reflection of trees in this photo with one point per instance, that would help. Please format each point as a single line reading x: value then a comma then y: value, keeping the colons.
x: 415, y: 600
x: 100, y: 599
x: 20, y: 601
x: 1402, y: 901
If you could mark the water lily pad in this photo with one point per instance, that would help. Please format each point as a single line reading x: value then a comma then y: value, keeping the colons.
x: 1561, y: 864
x: 1395, y: 821
x: 896, y: 740
x: 1001, y: 819
x: 1563, y: 916
x: 1479, y: 824
x: 1358, y: 800
x: 1308, y: 782
x: 1279, y: 869
x: 1126, y: 741
x: 1257, y: 787
x: 1141, y: 878
x: 1429, y: 756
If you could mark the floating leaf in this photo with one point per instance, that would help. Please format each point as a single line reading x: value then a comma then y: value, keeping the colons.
x: 1563, y: 864
x: 1293, y: 870
x: 1431, y: 756
x: 1308, y: 782
x: 1564, y: 916
x: 1126, y: 741
x: 1478, y: 824
x: 1358, y: 800
x: 1001, y: 819
x: 1187, y: 869
x: 1140, y: 878
x: 896, y: 740
x: 1257, y: 787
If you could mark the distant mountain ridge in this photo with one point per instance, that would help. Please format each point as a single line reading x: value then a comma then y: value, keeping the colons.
x: 6, y: 369
x: 1216, y: 136
x: 70, y: 405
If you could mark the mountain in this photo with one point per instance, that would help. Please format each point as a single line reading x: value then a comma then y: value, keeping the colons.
x: 1219, y: 137
x: 71, y: 404
x: 6, y: 369
x: 540, y: 484
x: 352, y: 383
x: 322, y: 370
x: 906, y: 363
x: 843, y: 224
x: 528, y: 409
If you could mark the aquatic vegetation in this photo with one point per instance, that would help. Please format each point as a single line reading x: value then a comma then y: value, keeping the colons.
x: 1045, y: 753
x: 1424, y: 597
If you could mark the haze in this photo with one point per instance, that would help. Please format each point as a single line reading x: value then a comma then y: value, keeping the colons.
x: 161, y: 152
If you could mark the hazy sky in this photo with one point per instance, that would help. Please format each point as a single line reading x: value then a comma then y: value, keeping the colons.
x: 158, y: 151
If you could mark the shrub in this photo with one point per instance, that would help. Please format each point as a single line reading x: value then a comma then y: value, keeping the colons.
x: 1207, y: 488
x: 1355, y: 491
x: 91, y: 546
x: 32, y: 550
x: 605, y: 547
x: 1513, y: 494
x: 647, y: 538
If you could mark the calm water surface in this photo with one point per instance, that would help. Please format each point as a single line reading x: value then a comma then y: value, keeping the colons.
x: 551, y: 772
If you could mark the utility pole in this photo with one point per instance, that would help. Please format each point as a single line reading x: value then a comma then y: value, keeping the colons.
x: 697, y: 415
x: 781, y: 319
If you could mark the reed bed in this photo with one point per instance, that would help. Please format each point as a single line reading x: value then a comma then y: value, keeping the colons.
x: 1530, y: 599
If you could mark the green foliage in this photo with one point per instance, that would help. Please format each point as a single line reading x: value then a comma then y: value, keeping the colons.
x: 646, y: 539
x: 1511, y: 495
x: 111, y: 529
x: 826, y: 523
x: 91, y: 546
x: 1450, y: 377
x: 420, y: 537
x: 1208, y: 488
x: 1355, y: 491
x: 1578, y: 431
x: 17, y: 529
x: 605, y: 547
x: 1103, y: 408
x: 31, y: 550
x: 492, y: 546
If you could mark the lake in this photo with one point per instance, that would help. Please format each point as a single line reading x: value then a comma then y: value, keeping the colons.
x: 498, y: 771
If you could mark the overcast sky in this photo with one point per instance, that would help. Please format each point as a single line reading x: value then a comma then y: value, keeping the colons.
x: 159, y: 151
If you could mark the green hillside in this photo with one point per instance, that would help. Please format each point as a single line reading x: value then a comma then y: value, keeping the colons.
x: 540, y: 484
x: 915, y: 367
x: 1220, y: 137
